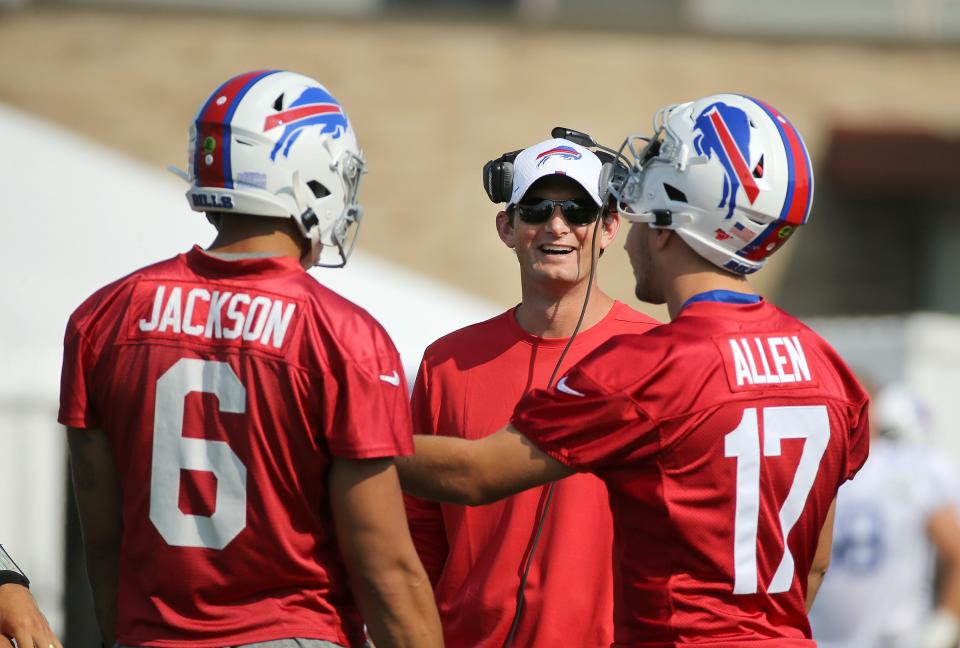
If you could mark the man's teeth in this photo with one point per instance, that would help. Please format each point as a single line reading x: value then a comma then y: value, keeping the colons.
x: 555, y: 250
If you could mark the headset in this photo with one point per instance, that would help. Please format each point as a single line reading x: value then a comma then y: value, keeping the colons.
x: 498, y: 173
x: 498, y: 183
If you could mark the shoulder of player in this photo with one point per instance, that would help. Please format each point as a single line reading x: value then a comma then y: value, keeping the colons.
x: 675, y: 347
x: 837, y: 376
x: 116, y: 292
x: 346, y: 320
x: 630, y: 320
x: 627, y: 358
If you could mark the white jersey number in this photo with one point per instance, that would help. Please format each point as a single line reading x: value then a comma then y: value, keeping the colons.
x: 810, y: 423
x: 172, y: 452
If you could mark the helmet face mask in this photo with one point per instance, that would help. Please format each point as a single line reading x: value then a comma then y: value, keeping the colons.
x: 729, y: 173
x: 277, y: 144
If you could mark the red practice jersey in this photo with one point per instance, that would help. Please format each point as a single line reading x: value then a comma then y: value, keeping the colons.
x: 718, y: 436
x: 226, y: 388
x: 468, y: 385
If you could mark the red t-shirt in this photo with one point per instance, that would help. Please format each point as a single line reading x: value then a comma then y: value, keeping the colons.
x: 714, y: 434
x: 468, y: 385
x: 226, y: 388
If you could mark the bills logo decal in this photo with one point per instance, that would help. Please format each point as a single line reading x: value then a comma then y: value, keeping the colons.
x: 565, y: 152
x: 314, y: 107
x: 723, y: 132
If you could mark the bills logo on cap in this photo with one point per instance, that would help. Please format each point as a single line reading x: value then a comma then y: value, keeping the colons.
x: 314, y: 107
x: 723, y: 131
x: 565, y: 152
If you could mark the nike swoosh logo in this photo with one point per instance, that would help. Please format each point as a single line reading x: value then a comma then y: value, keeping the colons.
x: 562, y: 386
x: 392, y: 378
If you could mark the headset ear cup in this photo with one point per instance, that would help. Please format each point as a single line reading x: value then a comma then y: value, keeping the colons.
x: 498, y: 177
x: 606, y: 172
x: 489, y: 182
x: 506, y: 181
x: 498, y: 180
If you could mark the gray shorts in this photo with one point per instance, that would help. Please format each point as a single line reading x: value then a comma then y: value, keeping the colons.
x: 282, y: 643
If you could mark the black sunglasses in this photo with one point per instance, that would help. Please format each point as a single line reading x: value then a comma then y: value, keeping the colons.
x: 576, y: 212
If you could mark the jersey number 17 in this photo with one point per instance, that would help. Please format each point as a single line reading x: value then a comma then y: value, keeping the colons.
x: 810, y: 423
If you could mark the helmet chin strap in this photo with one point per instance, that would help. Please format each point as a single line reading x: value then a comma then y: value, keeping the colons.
x: 306, y: 220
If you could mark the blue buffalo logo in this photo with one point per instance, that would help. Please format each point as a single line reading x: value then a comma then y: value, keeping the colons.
x: 723, y: 132
x: 314, y: 107
x: 565, y: 152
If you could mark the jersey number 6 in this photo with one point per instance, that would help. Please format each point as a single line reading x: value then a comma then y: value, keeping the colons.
x: 172, y: 452
x: 810, y: 423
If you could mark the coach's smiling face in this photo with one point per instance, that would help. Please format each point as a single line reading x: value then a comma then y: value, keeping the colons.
x: 555, y: 251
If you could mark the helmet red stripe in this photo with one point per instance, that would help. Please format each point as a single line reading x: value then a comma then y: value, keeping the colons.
x: 293, y: 114
x: 798, y: 211
x: 211, y: 123
x: 736, y: 157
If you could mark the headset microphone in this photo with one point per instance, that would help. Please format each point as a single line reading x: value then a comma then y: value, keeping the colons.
x: 575, y: 136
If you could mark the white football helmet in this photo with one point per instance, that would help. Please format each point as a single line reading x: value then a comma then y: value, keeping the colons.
x: 897, y: 411
x: 275, y: 143
x: 729, y: 173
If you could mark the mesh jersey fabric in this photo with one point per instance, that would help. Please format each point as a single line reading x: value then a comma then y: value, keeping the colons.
x: 226, y: 388
x: 714, y: 434
x: 467, y: 386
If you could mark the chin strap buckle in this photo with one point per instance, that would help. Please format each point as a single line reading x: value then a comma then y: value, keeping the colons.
x: 662, y: 218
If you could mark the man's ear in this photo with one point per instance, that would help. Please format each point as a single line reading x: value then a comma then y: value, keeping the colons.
x: 505, y: 229
x: 610, y: 224
x: 662, y: 237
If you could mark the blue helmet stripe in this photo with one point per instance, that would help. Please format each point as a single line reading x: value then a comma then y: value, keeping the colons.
x: 227, y: 163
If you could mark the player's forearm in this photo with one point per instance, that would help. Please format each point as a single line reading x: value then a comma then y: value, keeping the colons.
x: 943, y: 529
x: 441, y: 470
x: 429, y: 537
x: 399, y: 608
x: 814, y: 581
x: 821, y: 559
x: 103, y: 569
x: 949, y: 599
x: 942, y: 628
x: 97, y: 492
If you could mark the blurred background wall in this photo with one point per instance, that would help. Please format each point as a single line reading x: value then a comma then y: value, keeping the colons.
x: 434, y: 89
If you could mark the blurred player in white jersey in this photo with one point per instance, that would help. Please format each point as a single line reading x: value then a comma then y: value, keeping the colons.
x: 233, y: 423
x: 894, y: 522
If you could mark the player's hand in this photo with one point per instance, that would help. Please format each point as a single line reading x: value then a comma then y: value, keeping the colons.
x: 20, y: 619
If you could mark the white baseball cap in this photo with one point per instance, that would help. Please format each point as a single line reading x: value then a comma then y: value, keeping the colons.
x: 556, y: 157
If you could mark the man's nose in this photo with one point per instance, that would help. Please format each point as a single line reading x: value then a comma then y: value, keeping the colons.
x: 556, y: 222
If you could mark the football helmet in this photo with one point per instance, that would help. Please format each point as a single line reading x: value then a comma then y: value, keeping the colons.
x: 898, y: 412
x: 728, y: 172
x: 276, y: 143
